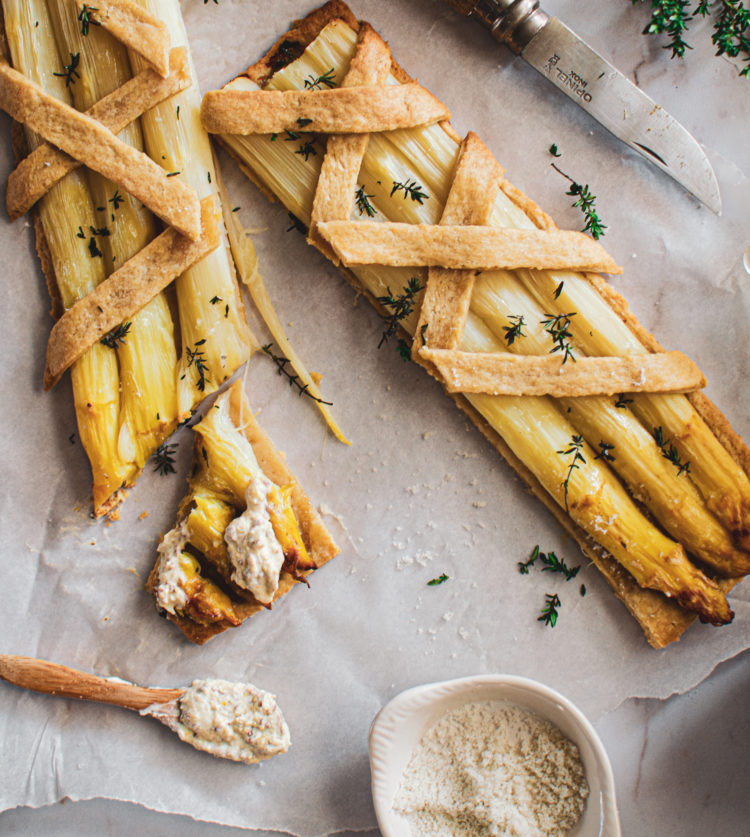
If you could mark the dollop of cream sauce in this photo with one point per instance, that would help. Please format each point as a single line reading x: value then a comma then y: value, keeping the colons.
x: 254, y: 551
x: 230, y: 720
x: 170, y: 593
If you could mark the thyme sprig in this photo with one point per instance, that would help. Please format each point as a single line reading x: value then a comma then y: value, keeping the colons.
x: 307, y: 150
x: 117, y: 336
x: 586, y: 203
x: 294, y: 381
x: 164, y: 459
x: 411, y: 189
x: 523, y: 566
x: 85, y: 19
x: 439, y: 580
x: 196, y: 357
x: 670, y: 452
x: 116, y: 200
x: 70, y: 72
x: 557, y: 326
x: 515, y: 331
x: 623, y: 401
x: 550, y: 610
x: 551, y: 564
x: 318, y: 82
x: 605, y: 452
x: 400, y: 306
x: 730, y: 26
x: 363, y: 203
x: 574, y: 449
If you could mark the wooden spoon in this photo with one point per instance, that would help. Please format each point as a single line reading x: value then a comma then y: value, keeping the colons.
x: 55, y: 679
x: 261, y: 731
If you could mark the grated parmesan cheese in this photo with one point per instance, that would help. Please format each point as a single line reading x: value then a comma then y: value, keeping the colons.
x: 491, y: 769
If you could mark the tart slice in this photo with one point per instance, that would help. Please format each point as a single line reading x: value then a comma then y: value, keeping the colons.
x: 246, y: 532
x: 632, y: 460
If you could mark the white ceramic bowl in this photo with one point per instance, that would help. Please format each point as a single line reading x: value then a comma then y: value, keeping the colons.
x: 398, y: 727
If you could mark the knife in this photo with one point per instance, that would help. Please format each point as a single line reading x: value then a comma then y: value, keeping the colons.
x: 600, y: 89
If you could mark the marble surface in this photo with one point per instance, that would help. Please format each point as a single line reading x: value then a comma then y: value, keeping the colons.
x: 680, y: 764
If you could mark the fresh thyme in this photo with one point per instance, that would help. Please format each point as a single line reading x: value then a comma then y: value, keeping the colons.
x: 574, y: 449
x: 549, y: 612
x: 730, y: 26
x: 670, y: 452
x: 363, y: 203
x: 70, y: 73
x: 558, y: 290
x: 623, y: 401
x: 513, y: 332
x: 116, y: 200
x: 586, y: 203
x: 117, y: 336
x: 557, y: 326
x: 215, y: 299
x: 400, y: 306
x: 307, y: 150
x: 302, y: 121
x: 294, y: 381
x: 582, y: 590
x: 523, y: 566
x: 94, y: 250
x: 291, y: 136
x: 404, y: 350
x: 605, y: 452
x: 411, y: 189
x: 196, y: 357
x: 551, y: 564
x: 318, y: 82
x: 164, y: 459
x: 84, y: 16
x: 553, y: 150
x: 439, y: 580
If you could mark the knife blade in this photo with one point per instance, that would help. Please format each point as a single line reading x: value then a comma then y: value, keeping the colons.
x: 563, y: 58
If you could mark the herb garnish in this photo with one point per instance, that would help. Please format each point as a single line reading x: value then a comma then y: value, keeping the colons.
x: 303, y: 120
x: 553, y: 150
x: 622, y: 401
x: 439, y: 580
x: 669, y: 451
x: 574, y: 450
x: 281, y: 364
x: 513, y: 332
x: 551, y: 563
x: 307, y: 149
x: 605, y: 452
x: 404, y: 350
x: 296, y: 224
x: 116, y: 336
x: 86, y: 20
x: 94, y: 250
x: 116, y: 200
x: 164, y: 459
x: 556, y: 325
x: 582, y: 590
x: 523, y: 566
x: 196, y: 357
x: 549, y: 611
x: 586, y: 203
x: 558, y: 290
x: 400, y: 306
x: 70, y: 73
x: 215, y: 299
x: 411, y: 189
x: 363, y: 203
x: 730, y: 35
x: 315, y: 83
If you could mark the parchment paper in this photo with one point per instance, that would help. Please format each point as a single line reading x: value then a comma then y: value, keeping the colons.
x: 419, y: 493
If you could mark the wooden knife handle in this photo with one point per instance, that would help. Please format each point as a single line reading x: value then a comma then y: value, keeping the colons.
x: 55, y: 679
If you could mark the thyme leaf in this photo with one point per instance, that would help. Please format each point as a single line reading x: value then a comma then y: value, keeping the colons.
x: 549, y: 612
x: 523, y: 566
x: 553, y: 564
x: 400, y: 306
x: 363, y: 203
x: 515, y: 331
x: 574, y: 449
x: 439, y: 580
x: 670, y: 452
x: 164, y: 459
x: 197, y: 358
x: 586, y: 203
x: 281, y: 364
x: 85, y: 19
x: 70, y: 72
x: 605, y: 452
x: 557, y: 326
x: 117, y: 336
x: 411, y: 189
x: 623, y: 401
x: 318, y: 82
